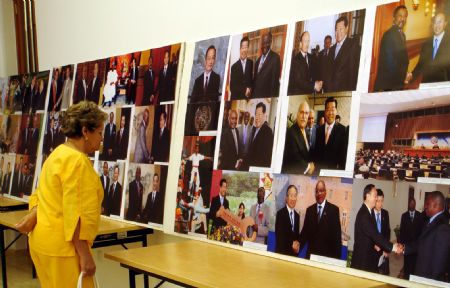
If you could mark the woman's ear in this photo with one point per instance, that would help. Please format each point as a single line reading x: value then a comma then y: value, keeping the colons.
x: 84, y: 132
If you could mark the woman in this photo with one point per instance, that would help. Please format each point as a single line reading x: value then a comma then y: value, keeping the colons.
x: 65, y: 207
x: 241, y: 211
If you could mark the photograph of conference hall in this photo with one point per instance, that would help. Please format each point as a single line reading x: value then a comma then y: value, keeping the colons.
x: 411, y: 46
x: 326, y: 53
x: 404, y: 136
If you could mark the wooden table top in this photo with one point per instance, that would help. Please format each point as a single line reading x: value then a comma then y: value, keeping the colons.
x: 6, y: 202
x: 201, y: 264
x: 107, y: 226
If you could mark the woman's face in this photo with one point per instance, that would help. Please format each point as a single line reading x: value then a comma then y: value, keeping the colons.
x: 94, y: 139
x: 241, y: 210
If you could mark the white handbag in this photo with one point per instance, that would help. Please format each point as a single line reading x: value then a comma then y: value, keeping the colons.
x: 80, y: 281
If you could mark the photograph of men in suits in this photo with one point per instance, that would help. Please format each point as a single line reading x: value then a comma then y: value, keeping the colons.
x: 109, y: 137
x: 22, y: 182
x: 55, y: 90
x: 432, y: 248
x: 345, y: 59
x: 322, y: 227
x: 303, y: 78
x: 132, y: 83
x: 136, y: 192
x: 149, y: 84
x: 32, y: 137
x: 260, y: 212
x: 241, y: 76
x: 29, y: 96
x: 245, y: 134
x: 326, y: 64
x: 154, y: 207
x: 266, y: 75
x: 230, y: 146
x: 217, y: 202
x: 411, y: 226
x: 121, y: 142
x: 6, y: 183
x: 82, y: 87
x: 260, y: 151
x: 104, y: 179
x: 113, y: 197
x: 94, y: 86
x: 381, y: 217
x: 206, y: 86
x: 330, y: 150
x: 393, y: 58
x: 297, y: 151
x: 434, y: 60
x: 287, y: 225
x: 161, y: 140
x: 366, y: 235
x: 166, y: 81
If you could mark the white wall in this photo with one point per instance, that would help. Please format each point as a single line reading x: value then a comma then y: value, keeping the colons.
x: 8, y: 54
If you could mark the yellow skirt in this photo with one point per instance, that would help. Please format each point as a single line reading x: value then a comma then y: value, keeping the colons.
x: 56, y: 272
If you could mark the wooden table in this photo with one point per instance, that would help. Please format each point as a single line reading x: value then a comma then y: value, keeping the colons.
x: 9, y: 204
x: 110, y: 233
x: 197, y: 264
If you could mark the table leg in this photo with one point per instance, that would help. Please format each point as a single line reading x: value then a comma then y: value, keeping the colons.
x: 132, y: 276
x: 3, y: 256
x: 144, y: 244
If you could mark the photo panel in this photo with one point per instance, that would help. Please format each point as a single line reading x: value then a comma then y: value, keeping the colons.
x: 116, y: 134
x: 22, y: 179
x: 404, y: 137
x: 318, y: 64
x: 111, y: 177
x: 144, y: 199
x: 53, y: 136
x: 157, y: 76
x: 256, y: 62
x: 400, y: 212
x: 6, y: 172
x: 311, y: 231
x: 142, y: 134
x: 247, y: 134
x: 410, y: 46
x: 35, y: 93
x: 317, y: 133
x: 162, y: 134
x: 208, y: 70
x: 195, y: 177
x: 89, y: 81
x: 61, y: 88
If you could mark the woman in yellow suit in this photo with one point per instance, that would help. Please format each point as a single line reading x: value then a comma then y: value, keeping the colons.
x: 65, y: 208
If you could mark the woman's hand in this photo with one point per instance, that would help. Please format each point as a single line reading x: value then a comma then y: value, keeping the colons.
x: 27, y: 223
x: 87, y: 264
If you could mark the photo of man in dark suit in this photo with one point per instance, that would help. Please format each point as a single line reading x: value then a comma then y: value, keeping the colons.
x: 366, y: 235
x: 267, y: 72
x: 136, y: 192
x: 326, y: 64
x: 241, y: 76
x: 109, y: 137
x: 230, y: 147
x: 104, y: 179
x: 6, y: 183
x: 245, y: 134
x: 82, y: 87
x: 434, y: 60
x: 297, y: 159
x: 345, y: 59
x: 93, y: 93
x: 55, y: 90
x: 433, y: 245
x: 411, y: 226
x: 287, y: 225
x: 393, y: 58
x: 303, y: 78
x: 22, y: 182
x: 161, y: 140
x: 330, y: 151
x: 121, y: 142
x: 148, y: 97
x: 207, y: 85
x: 33, y: 137
x: 154, y: 207
x: 322, y: 227
x: 132, y: 83
x: 217, y: 202
x: 113, y: 197
x: 260, y: 151
x: 381, y: 217
x: 166, y: 81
